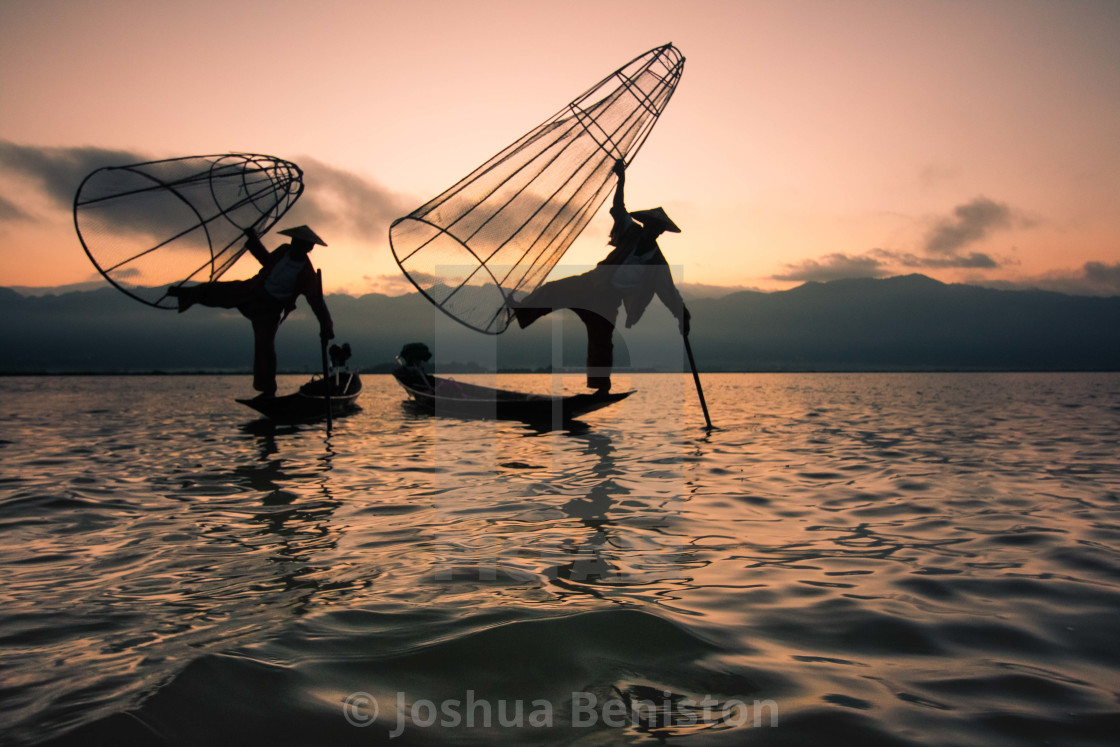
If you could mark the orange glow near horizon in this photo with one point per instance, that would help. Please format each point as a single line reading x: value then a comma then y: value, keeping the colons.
x: 807, y: 140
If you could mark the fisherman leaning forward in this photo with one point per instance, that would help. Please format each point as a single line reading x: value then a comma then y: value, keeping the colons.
x: 630, y: 275
x: 267, y: 298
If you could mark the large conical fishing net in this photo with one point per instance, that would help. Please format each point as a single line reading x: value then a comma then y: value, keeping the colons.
x: 498, y: 232
x: 148, y: 226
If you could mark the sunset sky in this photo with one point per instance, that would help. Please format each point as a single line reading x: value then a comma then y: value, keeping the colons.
x: 808, y: 140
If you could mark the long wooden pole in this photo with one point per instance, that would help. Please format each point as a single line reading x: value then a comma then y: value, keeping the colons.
x: 696, y: 378
x: 326, y: 367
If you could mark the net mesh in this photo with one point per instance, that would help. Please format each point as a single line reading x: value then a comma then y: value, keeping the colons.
x: 500, y: 231
x: 151, y: 225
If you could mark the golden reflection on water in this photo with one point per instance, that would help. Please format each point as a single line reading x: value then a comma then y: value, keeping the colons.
x: 900, y: 547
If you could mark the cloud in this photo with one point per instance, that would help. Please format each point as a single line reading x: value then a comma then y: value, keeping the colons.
x: 1091, y: 279
x: 837, y: 266
x: 335, y: 200
x: 59, y: 171
x: 941, y: 248
x: 970, y: 222
x: 9, y: 211
x: 1107, y: 276
x: 973, y: 260
x: 877, y: 263
x: 390, y: 285
x: 344, y: 202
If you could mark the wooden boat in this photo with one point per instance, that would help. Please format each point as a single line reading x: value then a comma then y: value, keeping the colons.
x: 310, y: 402
x: 446, y: 396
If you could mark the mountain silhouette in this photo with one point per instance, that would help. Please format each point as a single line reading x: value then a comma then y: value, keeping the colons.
x: 910, y: 323
x: 894, y: 324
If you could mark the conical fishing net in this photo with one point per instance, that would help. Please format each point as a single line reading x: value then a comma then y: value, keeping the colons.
x: 500, y: 231
x: 150, y: 225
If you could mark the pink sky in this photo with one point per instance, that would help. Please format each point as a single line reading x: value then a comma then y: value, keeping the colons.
x: 971, y: 141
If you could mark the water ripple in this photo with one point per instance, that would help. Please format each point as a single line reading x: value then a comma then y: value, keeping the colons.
x: 901, y: 559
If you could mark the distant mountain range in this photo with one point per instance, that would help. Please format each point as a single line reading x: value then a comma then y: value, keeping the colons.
x: 895, y: 324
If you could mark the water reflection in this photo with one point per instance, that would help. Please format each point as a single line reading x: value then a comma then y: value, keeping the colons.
x: 618, y: 541
x: 592, y: 552
x: 881, y: 556
x: 295, y: 518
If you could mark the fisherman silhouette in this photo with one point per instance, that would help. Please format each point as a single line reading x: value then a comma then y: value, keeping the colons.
x: 268, y: 297
x: 629, y: 276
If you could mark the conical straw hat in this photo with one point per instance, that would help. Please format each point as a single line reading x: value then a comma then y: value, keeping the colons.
x: 304, y: 233
x: 655, y: 216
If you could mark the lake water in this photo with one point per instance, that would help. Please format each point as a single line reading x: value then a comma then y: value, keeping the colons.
x: 879, y: 559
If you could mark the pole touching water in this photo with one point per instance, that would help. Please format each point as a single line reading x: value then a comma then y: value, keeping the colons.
x: 696, y: 378
x: 327, y: 369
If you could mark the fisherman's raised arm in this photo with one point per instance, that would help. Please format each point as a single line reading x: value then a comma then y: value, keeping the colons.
x: 255, y: 247
x: 619, y: 203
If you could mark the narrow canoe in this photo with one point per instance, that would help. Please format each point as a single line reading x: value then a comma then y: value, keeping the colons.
x: 310, y: 402
x: 444, y: 396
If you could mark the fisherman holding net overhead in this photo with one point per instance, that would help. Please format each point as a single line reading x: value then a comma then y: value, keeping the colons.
x: 267, y: 298
x: 630, y: 275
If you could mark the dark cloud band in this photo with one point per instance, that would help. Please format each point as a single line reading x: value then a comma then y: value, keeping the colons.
x: 59, y: 171
x: 336, y: 200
